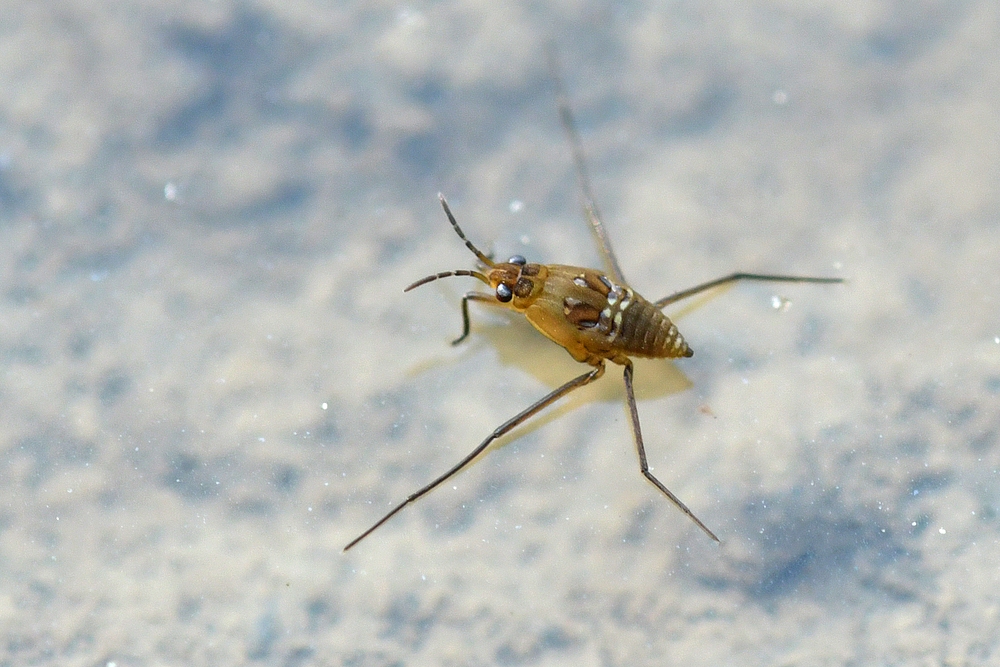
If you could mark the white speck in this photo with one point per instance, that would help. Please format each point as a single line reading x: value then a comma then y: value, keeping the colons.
x: 779, y: 97
x: 170, y: 191
x: 996, y: 339
x: 525, y: 239
x: 942, y: 531
x: 516, y: 206
x: 324, y: 406
x: 69, y: 490
x: 261, y: 440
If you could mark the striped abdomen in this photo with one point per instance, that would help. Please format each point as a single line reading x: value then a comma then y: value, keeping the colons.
x: 646, y: 332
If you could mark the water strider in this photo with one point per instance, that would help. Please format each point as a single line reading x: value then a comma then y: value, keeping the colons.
x: 593, y: 314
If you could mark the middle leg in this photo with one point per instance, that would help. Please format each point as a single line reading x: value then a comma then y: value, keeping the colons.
x: 735, y: 277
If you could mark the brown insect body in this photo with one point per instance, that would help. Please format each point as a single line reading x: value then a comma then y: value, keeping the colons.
x: 586, y: 312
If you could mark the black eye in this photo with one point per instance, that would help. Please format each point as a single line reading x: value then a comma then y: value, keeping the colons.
x: 517, y: 259
x: 503, y: 293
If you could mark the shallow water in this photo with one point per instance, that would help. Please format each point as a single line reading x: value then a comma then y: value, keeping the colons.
x: 212, y: 381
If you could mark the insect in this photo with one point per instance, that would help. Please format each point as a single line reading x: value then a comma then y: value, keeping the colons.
x: 593, y: 314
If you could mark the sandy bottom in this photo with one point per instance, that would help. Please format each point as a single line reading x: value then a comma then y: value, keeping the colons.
x: 210, y: 379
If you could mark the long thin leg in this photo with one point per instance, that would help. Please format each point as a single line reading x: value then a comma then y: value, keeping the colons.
x: 589, y: 207
x: 504, y: 428
x: 643, y: 465
x: 471, y: 296
x: 733, y: 277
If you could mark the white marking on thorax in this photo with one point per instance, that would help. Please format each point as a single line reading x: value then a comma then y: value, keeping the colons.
x: 619, y: 298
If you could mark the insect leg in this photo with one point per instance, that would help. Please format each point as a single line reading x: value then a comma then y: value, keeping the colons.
x: 734, y: 277
x: 471, y: 296
x: 500, y: 431
x: 643, y: 465
x: 582, y: 177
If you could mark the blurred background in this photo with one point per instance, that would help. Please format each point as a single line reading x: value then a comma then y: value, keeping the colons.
x: 211, y: 381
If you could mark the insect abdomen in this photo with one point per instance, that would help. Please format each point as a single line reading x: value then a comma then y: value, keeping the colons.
x: 647, y: 332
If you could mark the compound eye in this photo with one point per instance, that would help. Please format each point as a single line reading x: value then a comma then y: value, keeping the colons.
x: 503, y: 293
x: 517, y: 259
